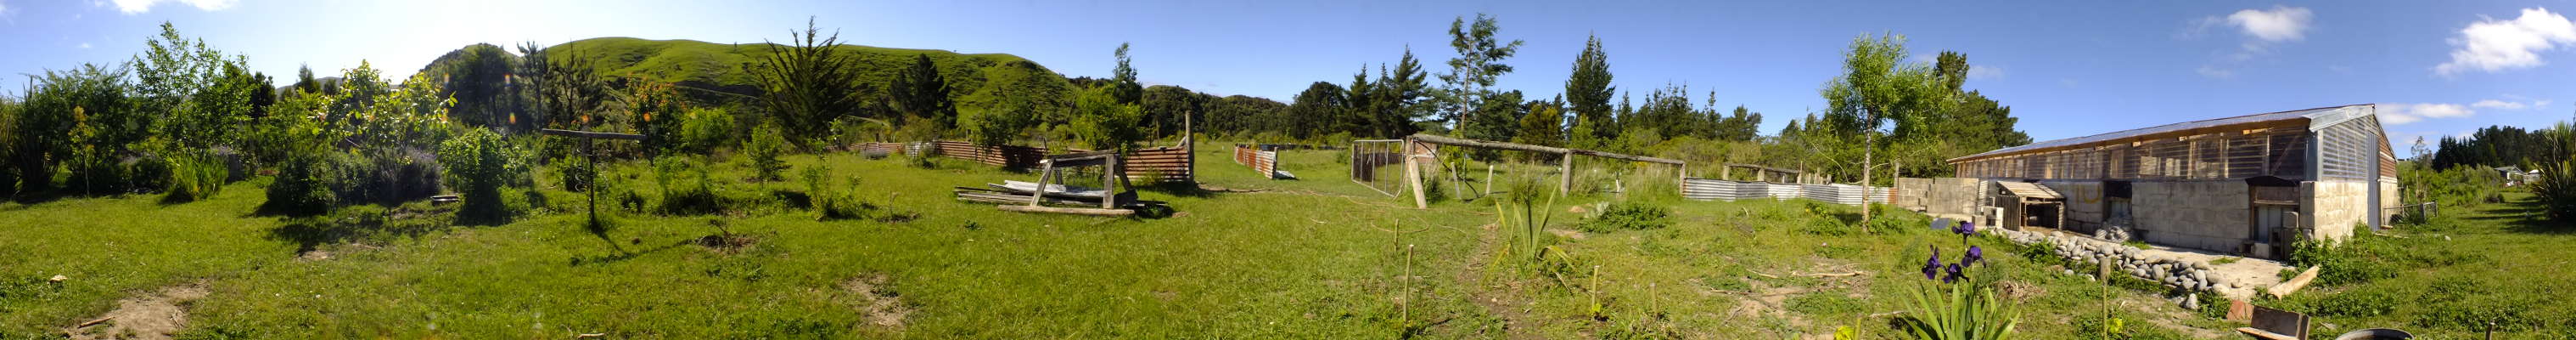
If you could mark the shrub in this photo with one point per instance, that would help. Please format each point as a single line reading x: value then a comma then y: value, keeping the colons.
x: 831, y: 204
x: 391, y: 177
x: 686, y: 190
x: 1099, y: 120
x: 765, y: 147
x: 147, y: 172
x: 195, y: 176
x: 704, y: 130
x: 479, y: 163
x: 1629, y: 216
x: 96, y: 173
x: 2556, y: 188
x: 575, y: 172
x: 302, y: 186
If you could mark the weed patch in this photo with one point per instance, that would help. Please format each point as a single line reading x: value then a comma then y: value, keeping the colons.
x: 1629, y: 216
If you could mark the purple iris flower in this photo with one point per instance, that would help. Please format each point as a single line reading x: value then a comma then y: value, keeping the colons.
x: 1955, y: 274
x: 1932, y: 267
x: 1975, y: 256
x: 1966, y: 228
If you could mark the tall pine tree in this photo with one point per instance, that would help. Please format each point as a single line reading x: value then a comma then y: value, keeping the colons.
x: 1588, y: 91
x: 920, y: 93
x: 1468, y: 85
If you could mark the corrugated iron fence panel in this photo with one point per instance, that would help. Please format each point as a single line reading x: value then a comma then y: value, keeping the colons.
x: 1707, y: 189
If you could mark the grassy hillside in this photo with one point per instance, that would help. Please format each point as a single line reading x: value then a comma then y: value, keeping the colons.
x: 722, y: 65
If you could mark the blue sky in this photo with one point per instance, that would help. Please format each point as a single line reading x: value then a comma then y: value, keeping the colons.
x: 2067, y: 68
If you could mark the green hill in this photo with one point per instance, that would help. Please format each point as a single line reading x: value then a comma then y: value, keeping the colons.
x: 713, y: 65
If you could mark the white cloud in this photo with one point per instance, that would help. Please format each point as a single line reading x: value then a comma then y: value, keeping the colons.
x: 2213, y: 72
x: 2282, y: 23
x: 140, y: 6
x: 2262, y: 28
x: 1985, y: 72
x: 2395, y: 114
x: 2495, y: 45
x: 84, y: 46
x: 2543, y: 103
x: 2498, y: 104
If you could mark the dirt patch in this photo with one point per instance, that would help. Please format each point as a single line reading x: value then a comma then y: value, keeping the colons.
x: 2018, y: 291
x: 878, y: 304
x: 1568, y: 234
x: 314, y: 255
x: 1497, y: 298
x: 152, y: 316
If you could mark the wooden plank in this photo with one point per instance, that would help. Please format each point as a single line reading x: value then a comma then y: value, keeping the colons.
x: 2292, y: 286
x: 1075, y: 211
x: 2257, y: 333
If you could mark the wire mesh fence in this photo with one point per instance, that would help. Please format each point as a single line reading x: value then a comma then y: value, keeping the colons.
x: 1378, y: 164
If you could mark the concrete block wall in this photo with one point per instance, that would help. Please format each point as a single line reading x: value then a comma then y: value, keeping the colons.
x: 1950, y: 195
x: 2206, y: 215
x: 2083, y: 200
x: 2333, y: 207
x: 1909, y: 192
x: 2388, y: 200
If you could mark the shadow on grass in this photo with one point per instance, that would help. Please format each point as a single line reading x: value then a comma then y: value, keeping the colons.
x: 622, y: 256
x: 1180, y: 189
x: 48, y: 196
x: 2523, y: 216
x: 365, y: 223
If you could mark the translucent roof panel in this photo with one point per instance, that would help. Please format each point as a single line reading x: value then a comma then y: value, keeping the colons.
x: 2331, y: 113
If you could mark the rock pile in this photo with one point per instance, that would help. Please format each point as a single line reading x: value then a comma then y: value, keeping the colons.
x: 2112, y: 232
x: 2182, y: 275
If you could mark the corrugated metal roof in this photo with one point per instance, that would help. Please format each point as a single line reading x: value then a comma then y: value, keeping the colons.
x: 2030, y: 190
x: 2317, y: 117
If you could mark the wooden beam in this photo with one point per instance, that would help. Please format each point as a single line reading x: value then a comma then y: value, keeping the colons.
x: 588, y: 134
x: 1424, y: 138
x: 1076, y: 211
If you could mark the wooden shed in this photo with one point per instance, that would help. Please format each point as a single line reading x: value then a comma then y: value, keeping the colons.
x: 2173, y: 181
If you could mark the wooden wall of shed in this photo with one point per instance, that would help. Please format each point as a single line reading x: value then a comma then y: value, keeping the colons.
x: 2279, y: 151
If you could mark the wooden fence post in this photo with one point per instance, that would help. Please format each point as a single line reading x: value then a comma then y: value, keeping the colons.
x: 1413, y: 174
x: 1565, y: 173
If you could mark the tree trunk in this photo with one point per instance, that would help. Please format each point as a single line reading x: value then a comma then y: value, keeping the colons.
x: 1869, y: 148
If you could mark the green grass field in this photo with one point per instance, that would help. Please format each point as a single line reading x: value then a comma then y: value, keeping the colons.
x: 1318, y: 257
